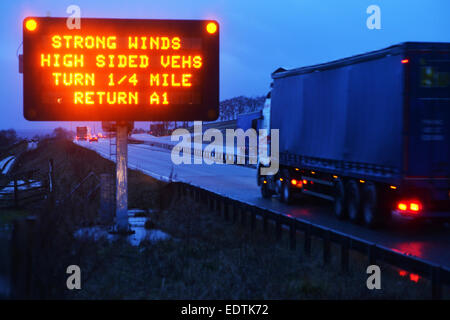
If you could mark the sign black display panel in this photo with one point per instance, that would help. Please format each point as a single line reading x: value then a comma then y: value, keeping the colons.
x: 120, y: 70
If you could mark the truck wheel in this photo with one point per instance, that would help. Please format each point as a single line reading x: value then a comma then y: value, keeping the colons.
x: 285, y: 194
x: 265, y: 191
x: 353, y: 202
x: 372, y: 213
x: 339, y: 201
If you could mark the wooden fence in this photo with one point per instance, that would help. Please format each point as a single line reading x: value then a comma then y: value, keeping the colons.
x: 22, y: 193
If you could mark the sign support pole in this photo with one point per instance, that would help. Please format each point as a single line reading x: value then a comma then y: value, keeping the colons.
x: 121, y: 223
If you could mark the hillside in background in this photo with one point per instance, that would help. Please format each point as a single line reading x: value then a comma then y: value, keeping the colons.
x: 230, y: 108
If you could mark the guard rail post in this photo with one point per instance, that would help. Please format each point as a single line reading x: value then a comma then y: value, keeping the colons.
x: 345, y: 247
x: 307, y: 242
x: 326, y: 247
x: 436, y: 288
x: 292, y: 235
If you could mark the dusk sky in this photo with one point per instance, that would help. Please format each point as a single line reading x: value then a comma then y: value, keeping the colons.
x: 256, y: 36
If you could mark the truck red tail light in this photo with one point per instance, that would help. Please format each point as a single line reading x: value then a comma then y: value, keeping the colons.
x: 414, y: 277
x: 409, y: 206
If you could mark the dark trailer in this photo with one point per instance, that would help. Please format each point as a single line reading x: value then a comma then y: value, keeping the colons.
x: 369, y: 132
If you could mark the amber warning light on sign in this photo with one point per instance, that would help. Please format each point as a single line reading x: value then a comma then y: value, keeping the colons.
x: 31, y: 24
x: 117, y: 69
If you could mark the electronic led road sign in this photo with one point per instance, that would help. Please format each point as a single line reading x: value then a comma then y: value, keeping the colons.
x: 120, y: 69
